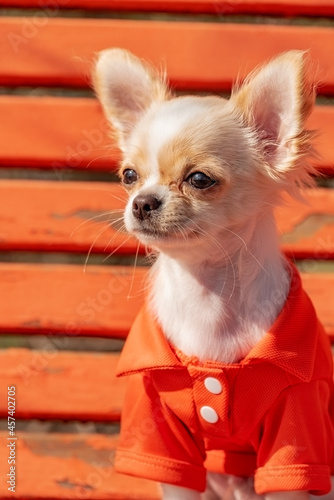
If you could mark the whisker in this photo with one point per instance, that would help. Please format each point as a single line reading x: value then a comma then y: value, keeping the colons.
x: 115, y: 249
x: 105, y: 214
x: 271, y: 204
x: 240, y: 238
x: 83, y: 154
x: 247, y: 249
x: 134, y: 270
x: 98, y: 158
x: 92, y: 245
x: 123, y: 200
x: 225, y: 253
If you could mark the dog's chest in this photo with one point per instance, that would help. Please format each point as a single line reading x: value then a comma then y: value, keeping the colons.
x: 202, y: 320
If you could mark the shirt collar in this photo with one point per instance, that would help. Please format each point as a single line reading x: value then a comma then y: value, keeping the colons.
x: 289, y: 344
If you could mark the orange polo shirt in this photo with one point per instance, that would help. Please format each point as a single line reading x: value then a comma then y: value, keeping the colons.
x: 267, y: 417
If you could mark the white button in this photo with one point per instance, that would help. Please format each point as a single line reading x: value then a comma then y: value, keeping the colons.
x: 209, y: 414
x: 213, y: 385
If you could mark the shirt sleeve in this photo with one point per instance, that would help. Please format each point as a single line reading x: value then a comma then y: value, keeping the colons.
x: 295, y: 450
x: 154, y: 443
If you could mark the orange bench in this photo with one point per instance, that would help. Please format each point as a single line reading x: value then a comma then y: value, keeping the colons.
x: 58, y: 194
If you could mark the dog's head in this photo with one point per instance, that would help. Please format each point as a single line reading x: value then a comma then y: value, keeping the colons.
x: 197, y: 166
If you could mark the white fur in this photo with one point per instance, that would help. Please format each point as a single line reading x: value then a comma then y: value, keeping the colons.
x: 219, y: 307
x: 162, y: 127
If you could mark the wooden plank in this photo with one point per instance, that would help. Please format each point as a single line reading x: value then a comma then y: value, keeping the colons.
x: 71, y: 466
x: 53, y: 384
x: 34, y: 135
x: 320, y: 287
x: 76, y: 217
x: 307, y: 229
x: 59, y: 51
x: 89, y: 387
x: 50, y: 299
x: 220, y: 7
x: 63, y: 216
x: 322, y: 121
x: 56, y: 133
x: 104, y: 301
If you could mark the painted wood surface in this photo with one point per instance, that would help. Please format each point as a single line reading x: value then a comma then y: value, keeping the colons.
x: 61, y: 385
x: 103, y: 301
x: 46, y: 299
x: 70, y: 133
x: 196, y: 55
x: 71, y: 466
x: 87, y: 217
x: 219, y: 7
x: 58, y: 133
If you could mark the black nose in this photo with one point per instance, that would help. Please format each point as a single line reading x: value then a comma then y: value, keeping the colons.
x: 143, y: 205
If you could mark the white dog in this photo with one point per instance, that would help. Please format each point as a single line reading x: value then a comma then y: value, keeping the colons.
x: 230, y: 370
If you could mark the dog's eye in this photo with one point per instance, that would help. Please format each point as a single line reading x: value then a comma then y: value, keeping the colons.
x: 200, y: 181
x: 129, y: 176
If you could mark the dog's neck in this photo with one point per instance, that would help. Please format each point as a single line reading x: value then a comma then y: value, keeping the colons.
x: 219, y: 303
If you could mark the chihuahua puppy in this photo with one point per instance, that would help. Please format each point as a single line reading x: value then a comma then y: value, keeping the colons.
x: 204, y: 175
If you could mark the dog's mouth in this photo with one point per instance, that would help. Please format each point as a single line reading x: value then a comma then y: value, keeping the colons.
x: 175, y: 235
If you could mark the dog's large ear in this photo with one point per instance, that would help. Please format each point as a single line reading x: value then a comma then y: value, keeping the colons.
x: 126, y: 88
x: 275, y: 101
